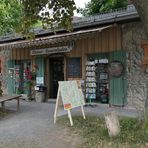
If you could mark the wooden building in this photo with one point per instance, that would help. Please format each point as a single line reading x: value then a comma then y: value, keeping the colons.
x: 84, y: 54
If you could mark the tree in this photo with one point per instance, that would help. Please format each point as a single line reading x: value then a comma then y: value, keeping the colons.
x: 99, y: 6
x: 142, y: 8
x: 21, y: 15
x: 10, y: 16
x: 54, y: 13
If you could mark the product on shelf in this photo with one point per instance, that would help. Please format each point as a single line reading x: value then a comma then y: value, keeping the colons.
x: 90, y: 80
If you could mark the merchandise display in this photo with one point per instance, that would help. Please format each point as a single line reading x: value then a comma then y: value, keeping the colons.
x: 103, y: 82
x: 90, y: 82
x: 97, y: 81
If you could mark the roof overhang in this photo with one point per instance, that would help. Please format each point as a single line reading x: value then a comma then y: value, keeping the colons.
x: 53, y: 39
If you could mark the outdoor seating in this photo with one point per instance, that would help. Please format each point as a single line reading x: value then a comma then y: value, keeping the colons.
x: 5, y: 98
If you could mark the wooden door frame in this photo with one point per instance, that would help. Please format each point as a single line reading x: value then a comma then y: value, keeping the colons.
x: 50, y: 70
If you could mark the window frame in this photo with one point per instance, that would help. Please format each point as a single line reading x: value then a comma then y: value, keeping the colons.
x: 80, y: 67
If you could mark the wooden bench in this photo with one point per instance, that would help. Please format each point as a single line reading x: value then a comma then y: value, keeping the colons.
x: 5, y: 98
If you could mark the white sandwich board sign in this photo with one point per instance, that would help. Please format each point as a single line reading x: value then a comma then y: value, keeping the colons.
x: 71, y: 97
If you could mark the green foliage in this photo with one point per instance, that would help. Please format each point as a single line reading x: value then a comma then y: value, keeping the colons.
x: 95, y: 133
x: 10, y: 16
x: 21, y: 15
x: 99, y: 6
x: 54, y: 14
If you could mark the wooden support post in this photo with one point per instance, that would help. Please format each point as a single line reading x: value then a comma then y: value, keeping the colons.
x: 82, y: 109
x: 3, y: 104
x: 1, y: 92
x: 18, y: 104
x: 70, y: 118
x: 56, y: 107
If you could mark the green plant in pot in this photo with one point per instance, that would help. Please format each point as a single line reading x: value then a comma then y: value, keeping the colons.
x: 30, y: 81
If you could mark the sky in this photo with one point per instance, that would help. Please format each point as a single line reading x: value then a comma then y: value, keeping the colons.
x: 81, y: 4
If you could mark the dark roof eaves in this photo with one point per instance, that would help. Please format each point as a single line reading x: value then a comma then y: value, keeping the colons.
x: 113, y: 17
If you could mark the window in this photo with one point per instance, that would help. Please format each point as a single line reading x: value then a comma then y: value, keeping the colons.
x: 74, y: 69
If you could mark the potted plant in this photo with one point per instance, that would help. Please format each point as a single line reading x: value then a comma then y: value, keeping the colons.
x: 30, y: 80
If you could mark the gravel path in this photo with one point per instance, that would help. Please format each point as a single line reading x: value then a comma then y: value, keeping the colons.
x: 32, y: 127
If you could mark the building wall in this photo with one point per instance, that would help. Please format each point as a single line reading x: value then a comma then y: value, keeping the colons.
x: 20, y: 54
x: 107, y: 40
x: 133, y: 34
x: 4, y: 57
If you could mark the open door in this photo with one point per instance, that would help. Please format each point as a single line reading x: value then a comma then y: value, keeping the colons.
x: 118, y: 86
x: 56, y: 74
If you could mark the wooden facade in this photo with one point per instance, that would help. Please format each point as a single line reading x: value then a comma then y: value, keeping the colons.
x: 106, y: 40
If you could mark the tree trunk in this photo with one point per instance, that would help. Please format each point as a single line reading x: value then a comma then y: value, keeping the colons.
x: 142, y: 8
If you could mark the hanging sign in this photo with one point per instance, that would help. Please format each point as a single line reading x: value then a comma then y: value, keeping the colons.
x: 71, y: 97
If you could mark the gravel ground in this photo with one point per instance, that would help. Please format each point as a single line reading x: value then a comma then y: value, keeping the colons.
x: 33, y: 127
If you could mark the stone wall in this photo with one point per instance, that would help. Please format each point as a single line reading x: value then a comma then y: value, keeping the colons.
x: 133, y: 34
x: 4, y: 57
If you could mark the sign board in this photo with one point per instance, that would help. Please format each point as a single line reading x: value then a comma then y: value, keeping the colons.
x: 71, y: 97
x: 50, y: 50
x: 39, y: 80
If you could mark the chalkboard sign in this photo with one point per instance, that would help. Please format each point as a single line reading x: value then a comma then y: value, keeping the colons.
x: 74, y: 67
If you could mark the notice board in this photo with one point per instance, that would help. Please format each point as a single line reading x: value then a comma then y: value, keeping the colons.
x: 70, y: 96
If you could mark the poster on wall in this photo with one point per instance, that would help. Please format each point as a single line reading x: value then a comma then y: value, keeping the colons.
x: 71, y: 97
x: 40, y: 80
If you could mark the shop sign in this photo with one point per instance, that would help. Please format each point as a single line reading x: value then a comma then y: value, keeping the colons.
x: 53, y: 50
x: 70, y: 97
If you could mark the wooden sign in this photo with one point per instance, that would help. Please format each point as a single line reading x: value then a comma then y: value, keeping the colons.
x: 53, y: 50
x: 71, y: 97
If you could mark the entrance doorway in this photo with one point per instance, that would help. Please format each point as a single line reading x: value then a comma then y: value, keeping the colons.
x: 56, y: 74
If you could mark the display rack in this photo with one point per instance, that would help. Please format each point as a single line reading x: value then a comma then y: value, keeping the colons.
x: 103, y: 82
x: 90, y: 81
